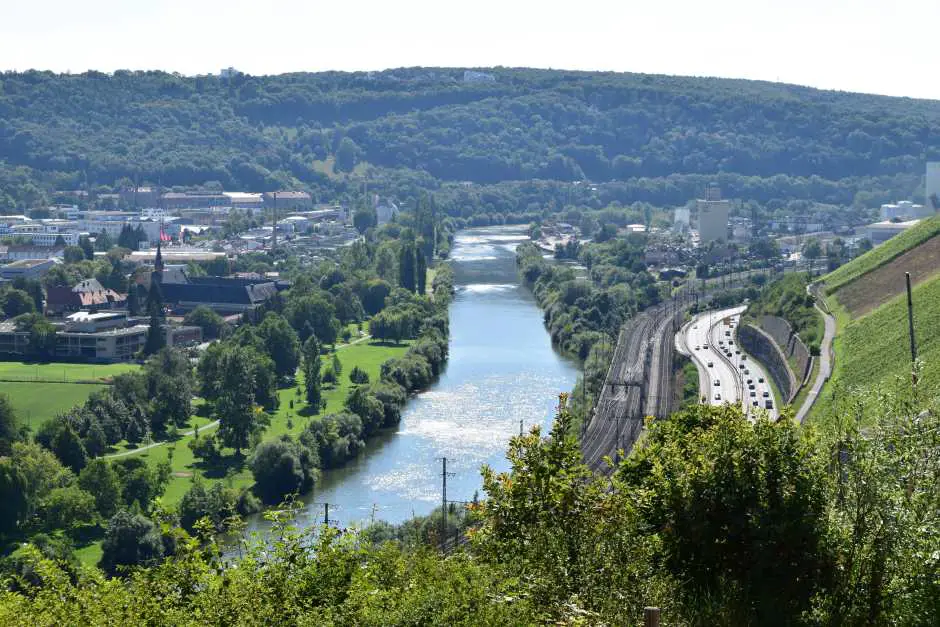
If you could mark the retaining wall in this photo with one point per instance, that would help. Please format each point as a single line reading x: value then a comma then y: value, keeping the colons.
x: 789, y: 342
x: 764, y: 349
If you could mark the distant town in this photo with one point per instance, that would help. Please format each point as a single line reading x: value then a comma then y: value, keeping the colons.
x: 164, y: 234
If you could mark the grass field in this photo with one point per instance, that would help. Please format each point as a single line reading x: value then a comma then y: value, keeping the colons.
x: 22, y: 371
x: 883, y: 254
x: 34, y: 403
x: 874, y: 350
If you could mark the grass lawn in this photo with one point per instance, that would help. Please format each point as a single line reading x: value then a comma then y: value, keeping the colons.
x: 89, y: 554
x: 286, y: 420
x: 22, y: 371
x: 35, y: 403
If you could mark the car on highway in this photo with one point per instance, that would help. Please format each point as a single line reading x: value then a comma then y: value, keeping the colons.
x: 705, y: 346
x: 750, y: 386
x: 737, y: 352
x: 711, y: 364
x: 741, y: 366
x: 743, y: 357
x: 717, y: 382
x: 755, y: 404
x: 768, y: 404
x: 760, y: 379
x: 750, y: 382
x: 766, y: 393
x: 753, y: 394
x: 717, y: 397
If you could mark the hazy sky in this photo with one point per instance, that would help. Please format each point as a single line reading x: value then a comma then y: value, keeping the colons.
x: 878, y: 46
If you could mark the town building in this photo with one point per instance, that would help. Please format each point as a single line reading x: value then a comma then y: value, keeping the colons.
x: 193, y: 200
x: 905, y: 210
x: 27, y: 269
x: 88, y: 295
x: 932, y: 185
x: 288, y: 200
x: 880, y: 232
x: 385, y: 210
x: 96, y: 337
x: 713, y: 216
x: 17, y: 252
x: 245, y: 201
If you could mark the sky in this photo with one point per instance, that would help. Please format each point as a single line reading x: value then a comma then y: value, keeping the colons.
x: 874, y: 46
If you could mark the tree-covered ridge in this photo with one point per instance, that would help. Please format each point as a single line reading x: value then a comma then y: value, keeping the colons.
x: 265, y: 132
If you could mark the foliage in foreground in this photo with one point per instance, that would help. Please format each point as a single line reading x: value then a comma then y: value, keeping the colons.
x: 714, y: 519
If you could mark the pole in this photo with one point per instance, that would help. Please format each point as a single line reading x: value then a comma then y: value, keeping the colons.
x: 910, y: 326
x: 651, y: 617
x: 520, y: 427
x: 326, y: 514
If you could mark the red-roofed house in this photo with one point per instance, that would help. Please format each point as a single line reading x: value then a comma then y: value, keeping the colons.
x: 87, y: 295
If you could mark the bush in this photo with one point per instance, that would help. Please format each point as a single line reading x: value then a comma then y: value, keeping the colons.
x: 282, y: 467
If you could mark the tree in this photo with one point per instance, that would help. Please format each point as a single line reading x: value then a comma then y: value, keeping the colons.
x: 407, y: 266
x: 282, y: 467
x: 358, y: 376
x: 217, y: 504
x: 812, y: 249
x: 375, y: 294
x: 710, y: 476
x: 281, y: 343
x: 103, y: 242
x: 68, y: 447
x: 68, y: 507
x: 169, y: 388
x: 87, y: 247
x: 364, y: 218
x: 337, y: 364
x: 235, y: 406
x: 74, y: 254
x: 100, y: 480
x: 347, y: 154
x: 33, y: 288
x: 766, y: 248
x: 314, y: 314
x: 17, y: 302
x: 312, y: 372
x: 13, y: 495
x: 10, y: 429
x: 130, y: 540
x: 422, y: 273
x: 209, y: 321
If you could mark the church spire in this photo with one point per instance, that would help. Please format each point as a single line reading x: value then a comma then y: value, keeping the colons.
x: 158, y: 260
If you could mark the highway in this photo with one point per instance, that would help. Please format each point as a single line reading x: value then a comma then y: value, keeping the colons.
x: 708, y: 339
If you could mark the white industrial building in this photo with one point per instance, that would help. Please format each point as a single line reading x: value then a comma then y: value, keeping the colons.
x: 880, y: 232
x: 905, y: 210
x: 932, y: 185
x: 713, y: 220
x: 682, y: 220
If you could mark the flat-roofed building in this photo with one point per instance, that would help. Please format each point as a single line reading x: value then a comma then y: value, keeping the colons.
x: 27, y: 268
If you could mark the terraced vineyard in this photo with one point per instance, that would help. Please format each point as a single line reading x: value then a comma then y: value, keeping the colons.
x: 874, y: 350
x: 883, y: 254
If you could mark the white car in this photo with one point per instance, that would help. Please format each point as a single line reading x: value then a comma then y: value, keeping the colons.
x: 717, y: 382
x: 717, y: 397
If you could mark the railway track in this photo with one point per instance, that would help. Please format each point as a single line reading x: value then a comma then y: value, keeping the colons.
x: 638, y: 383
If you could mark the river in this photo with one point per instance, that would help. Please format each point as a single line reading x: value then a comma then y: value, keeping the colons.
x: 502, y: 369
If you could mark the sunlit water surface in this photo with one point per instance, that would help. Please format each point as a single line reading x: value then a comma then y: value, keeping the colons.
x: 502, y: 369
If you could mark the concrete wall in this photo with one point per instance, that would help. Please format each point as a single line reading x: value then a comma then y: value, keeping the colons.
x: 762, y: 347
x: 789, y: 342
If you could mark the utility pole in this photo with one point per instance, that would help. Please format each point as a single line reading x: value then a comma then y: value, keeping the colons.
x: 910, y: 326
x: 326, y: 514
x: 520, y: 427
x: 444, y: 474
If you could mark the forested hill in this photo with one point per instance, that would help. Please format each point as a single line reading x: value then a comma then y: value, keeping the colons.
x: 762, y: 140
